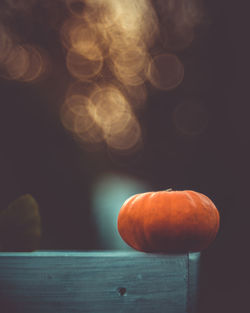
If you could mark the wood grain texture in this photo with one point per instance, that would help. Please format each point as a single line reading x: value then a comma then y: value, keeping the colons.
x: 99, y: 282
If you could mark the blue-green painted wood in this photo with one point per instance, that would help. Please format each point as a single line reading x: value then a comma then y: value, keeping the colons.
x: 193, y: 282
x: 99, y: 282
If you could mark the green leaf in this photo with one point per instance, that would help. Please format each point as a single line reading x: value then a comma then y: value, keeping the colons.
x: 20, y: 225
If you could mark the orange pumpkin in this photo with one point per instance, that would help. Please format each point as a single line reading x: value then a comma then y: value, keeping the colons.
x: 168, y: 221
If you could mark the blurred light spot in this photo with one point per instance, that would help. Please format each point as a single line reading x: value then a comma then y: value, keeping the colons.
x: 111, y: 109
x: 115, y: 34
x: 128, y: 65
x: 104, y: 116
x: 177, y: 40
x: 177, y: 21
x: 77, y: 117
x: 83, y: 39
x: 128, y: 140
x: 109, y: 193
x: 5, y: 43
x: 93, y: 135
x: 102, y: 13
x: 78, y: 87
x: 113, y: 114
x: 76, y: 7
x: 150, y: 27
x: 190, y: 117
x: 137, y: 20
x: 81, y: 67
x: 137, y: 95
x: 67, y: 29
x: 20, y: 5
x: 75, y: 105
x: 109, y: 41
x: 80, y: 36
x: 91, y: 51
x: 25, y: 63
x: 17, y: 63
x: 38, y: 64
x: 165, y: 71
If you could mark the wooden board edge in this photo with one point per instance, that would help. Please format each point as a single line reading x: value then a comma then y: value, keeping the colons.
x: 193, y: 261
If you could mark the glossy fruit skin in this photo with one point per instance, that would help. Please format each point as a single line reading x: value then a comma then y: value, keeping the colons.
x: 168, y: 221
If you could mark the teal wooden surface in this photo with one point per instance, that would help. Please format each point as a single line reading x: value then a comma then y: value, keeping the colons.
x: 103, y: 281
x: 193, y: 282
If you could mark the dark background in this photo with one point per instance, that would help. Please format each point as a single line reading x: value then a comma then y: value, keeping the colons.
x: 38, y: 156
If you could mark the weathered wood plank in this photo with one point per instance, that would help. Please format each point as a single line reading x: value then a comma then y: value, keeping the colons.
x: 95, y: 282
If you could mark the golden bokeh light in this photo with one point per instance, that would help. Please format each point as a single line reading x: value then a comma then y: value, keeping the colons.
x: 134, y: 23
x: 128, y: 139
x: 165, y: 71
x: 25, y: 63
x: 137, y: 95
x: 128, y: 65
x: 77, y: 87
x: 112, y: 109
x: 113, y: 114
x: 76, y: 106
x: 111, y: 47
x: 20, y: 5
x: 38, y: 64
x: 105, y: 116
x: 76, y: 7
x: 111, y: 50
x: 83, y: 39
x: 17, y: 63
x: 178, y: 39
x: 102, y: 13
x: 137, y: 20
x: 178, y: 20
x: 67, y: 28
x: 81, y: 67
x: 77, y: 116
x: 191, y: 117
x: 93, y: 135
x: 89, y: 51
